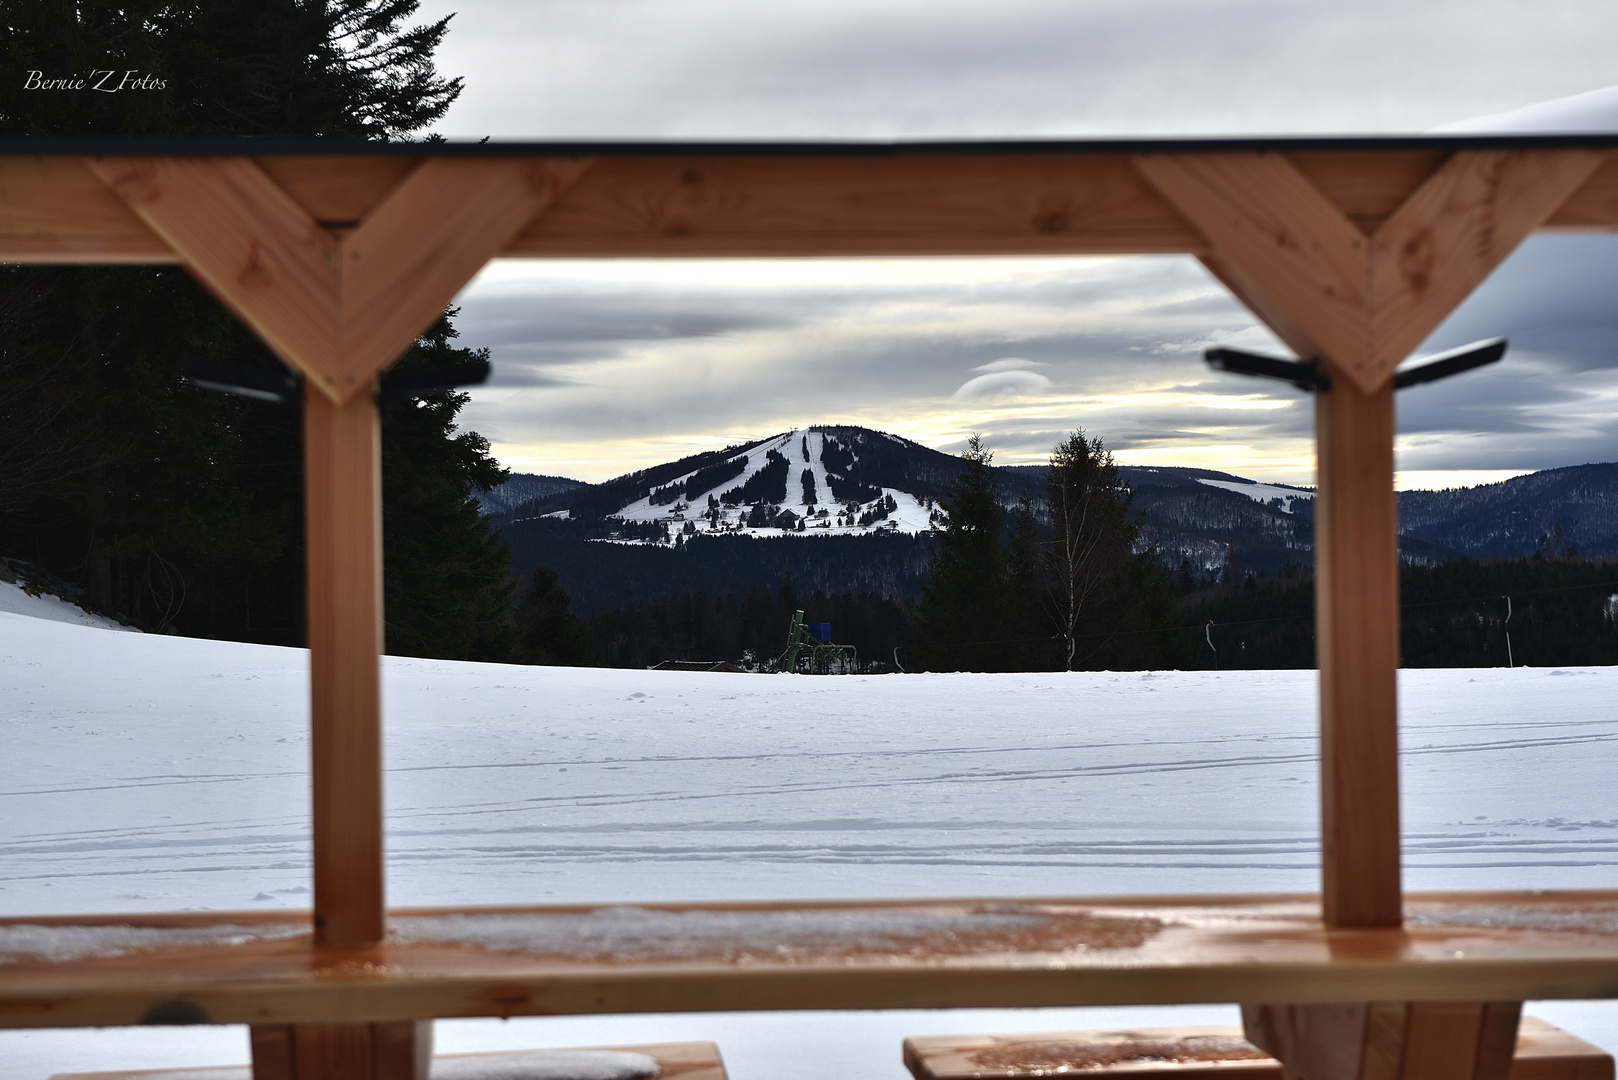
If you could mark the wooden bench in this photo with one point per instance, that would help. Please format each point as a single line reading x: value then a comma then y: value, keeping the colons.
x: 675, y: 1061
x: 1543, y: 1052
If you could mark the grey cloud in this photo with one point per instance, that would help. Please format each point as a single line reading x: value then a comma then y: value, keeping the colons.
x: 895, y: 67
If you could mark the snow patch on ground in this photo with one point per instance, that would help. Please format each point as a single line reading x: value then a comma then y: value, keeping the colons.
x: 1263, y: 493
x: 15, y: 600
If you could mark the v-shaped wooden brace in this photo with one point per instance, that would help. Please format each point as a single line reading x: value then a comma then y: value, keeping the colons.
x: 339, y: 308
x: 1362, y: 302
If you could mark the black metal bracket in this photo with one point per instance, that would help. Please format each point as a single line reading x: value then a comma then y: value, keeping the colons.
x: 1450, y: 363
x: 280, y: 387
x: 1307, y: 374
x: 1304, y: 374
x: 395, y: 385
x: 284, y: 387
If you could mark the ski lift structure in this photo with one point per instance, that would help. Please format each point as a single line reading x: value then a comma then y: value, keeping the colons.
x: 810, y: 650
x: 337, y: 254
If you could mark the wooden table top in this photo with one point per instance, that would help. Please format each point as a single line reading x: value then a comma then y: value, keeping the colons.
x: 262, y: 968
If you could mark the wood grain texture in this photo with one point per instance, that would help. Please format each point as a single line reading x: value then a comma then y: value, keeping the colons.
x: 337, y: 191
x: 343, y: 530
x: 247, y: 241
x: 1368, y: 185
x: 53, y: 209
x: 1538, y: 1051
x: 1357, y: 649
x: 1453, y: 231
x: 900, y: 205
x: 1297, y: 254
x: 1381, y: 1040
x: 423, y: 243
x: 392, y: 1050
x: 1594, y: 206
x: 1535, y: 946
x: 759, y: 205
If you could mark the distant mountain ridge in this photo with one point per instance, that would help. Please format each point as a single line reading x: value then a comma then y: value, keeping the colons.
x: 804, y: 483
x: 524, y: 488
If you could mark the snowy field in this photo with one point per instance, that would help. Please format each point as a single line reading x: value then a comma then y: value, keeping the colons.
x: 145, y: 773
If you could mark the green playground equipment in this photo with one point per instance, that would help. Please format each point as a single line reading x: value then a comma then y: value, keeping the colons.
x: 812, y: 642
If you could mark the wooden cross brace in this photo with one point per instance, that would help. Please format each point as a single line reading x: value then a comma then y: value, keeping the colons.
x: 1359, y: 302
x: 338, y: 302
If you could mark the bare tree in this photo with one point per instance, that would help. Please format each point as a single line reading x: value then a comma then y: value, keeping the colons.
x: 1091, y: 537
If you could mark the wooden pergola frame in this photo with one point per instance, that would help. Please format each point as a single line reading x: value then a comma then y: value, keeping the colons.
x: 338, y: 254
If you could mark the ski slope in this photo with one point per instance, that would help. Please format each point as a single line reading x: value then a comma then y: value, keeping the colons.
x: 150, y: 773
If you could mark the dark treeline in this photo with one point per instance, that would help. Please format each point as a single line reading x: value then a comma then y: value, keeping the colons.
x: 156, y: 502
x: 601, y: 575
x: 751, y: 628
x: 1057, y: 587
x: 1562, y: 612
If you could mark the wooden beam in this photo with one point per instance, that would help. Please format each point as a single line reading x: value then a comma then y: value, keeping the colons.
x: 421, y: 245
x: 54, y: 210
x: 343, y: 535
x: 248, y: 241
x: 1453, y: 231
x: 1299, y: 256
x: 338, y: 191
x: 922, y: 204
x: 752, y: 204
x: 337, y: 304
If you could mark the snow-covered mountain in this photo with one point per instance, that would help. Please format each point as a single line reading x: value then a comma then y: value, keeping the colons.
x: 822, y: 480
x: 843, y: 481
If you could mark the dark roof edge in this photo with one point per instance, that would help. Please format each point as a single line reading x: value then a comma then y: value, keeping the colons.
x: 57, y: 146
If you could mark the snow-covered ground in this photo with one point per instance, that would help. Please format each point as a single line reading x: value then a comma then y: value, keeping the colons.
x: 18, y: 601
x: 1264, y: 493
x: 149, y: 773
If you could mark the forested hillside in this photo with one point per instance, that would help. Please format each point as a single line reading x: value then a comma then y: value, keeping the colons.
x: 180, y: 510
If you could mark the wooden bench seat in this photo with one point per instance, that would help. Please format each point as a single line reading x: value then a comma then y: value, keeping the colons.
x: 264, y: 968
x: 675, y: 1061
x: 1544, y: 1052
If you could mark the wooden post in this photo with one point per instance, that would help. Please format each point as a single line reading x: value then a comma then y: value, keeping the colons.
x: 396, y: 1050
x: 1359, y: 302
x: 1357, y: 641
x: 343, y: 503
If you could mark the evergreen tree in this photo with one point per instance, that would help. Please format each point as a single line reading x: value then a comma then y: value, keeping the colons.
x: 445, y: 588
x: 547, y: 631
x: 179, y: 509
x: 963, y: 608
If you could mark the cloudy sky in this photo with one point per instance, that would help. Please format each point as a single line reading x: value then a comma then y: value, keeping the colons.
x: 605, y: 366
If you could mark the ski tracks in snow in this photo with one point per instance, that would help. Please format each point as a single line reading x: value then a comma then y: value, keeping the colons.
x: 150, y: 773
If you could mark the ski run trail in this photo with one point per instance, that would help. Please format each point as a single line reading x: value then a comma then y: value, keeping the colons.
x: 146, y: 773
